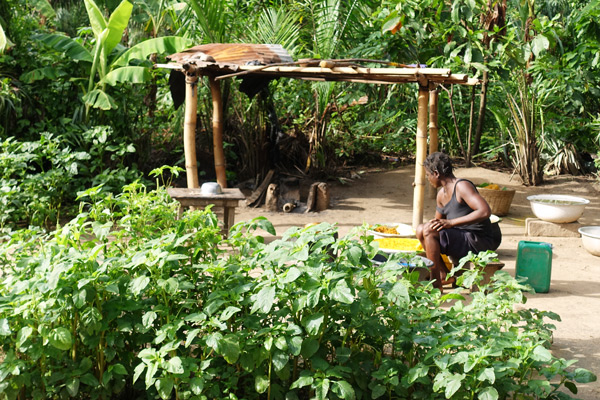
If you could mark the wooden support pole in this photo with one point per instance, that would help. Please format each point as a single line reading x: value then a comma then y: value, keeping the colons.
x: 421, y: 154
x: 217, y: 123
x: 433, y: 129
x: 189, y: 128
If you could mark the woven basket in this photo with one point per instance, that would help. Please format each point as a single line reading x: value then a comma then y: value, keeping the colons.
x: 499, y: 200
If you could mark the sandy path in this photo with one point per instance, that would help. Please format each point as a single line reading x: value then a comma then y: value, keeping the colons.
x: 386, y: 196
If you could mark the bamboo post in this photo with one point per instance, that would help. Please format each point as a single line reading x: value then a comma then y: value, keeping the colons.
x: 217, y: 123
x: 433, y: 129
x: 421, y: 154
x: 189, y: 127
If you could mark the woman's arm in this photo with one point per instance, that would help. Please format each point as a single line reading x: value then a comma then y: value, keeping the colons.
x: 467, y: 193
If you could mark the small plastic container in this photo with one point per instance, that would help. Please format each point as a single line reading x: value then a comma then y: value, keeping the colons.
x: 534, y: 262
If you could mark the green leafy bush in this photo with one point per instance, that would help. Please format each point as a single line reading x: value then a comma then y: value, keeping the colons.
x: 39, y: 180
x: 126, y: 300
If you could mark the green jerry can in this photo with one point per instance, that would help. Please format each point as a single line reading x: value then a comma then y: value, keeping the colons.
x: 534, y: 262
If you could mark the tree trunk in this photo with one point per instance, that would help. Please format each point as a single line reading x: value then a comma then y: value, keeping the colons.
x: 481, y: 112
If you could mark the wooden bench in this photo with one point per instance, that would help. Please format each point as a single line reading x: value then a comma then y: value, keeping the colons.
x: 193, y: 197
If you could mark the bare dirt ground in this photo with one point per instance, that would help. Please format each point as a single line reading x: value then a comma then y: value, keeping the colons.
x: 379, y: 196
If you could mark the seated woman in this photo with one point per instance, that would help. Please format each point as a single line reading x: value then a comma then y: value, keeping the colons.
x: 462, y: 219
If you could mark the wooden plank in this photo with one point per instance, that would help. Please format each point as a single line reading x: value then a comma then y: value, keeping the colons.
x: 196, y: 194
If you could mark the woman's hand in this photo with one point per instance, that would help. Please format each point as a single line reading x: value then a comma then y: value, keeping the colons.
x: 437, y: 224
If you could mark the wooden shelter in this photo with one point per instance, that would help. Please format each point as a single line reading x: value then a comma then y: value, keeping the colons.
x: 259, y: 63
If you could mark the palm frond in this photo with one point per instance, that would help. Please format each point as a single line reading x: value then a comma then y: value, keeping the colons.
x: 277, y: 27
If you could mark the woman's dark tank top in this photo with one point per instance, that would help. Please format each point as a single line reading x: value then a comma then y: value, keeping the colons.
x: 454, y: 209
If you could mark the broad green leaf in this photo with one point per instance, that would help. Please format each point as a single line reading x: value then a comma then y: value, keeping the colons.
x: 4, y: 327
x: 99, y: 99
x: 468, y: 55
x: 139, y: 284
x: 302, y: 381
x: 265, y: 225
x: 138, y: 371
x: 196, y: 317
x: 261, y: 384
x: 321, y: 389
x: 45, y: 8
x: 162, y: 45
x: 97, y: 20
x: 79, y: 298
x: 455, y: 13
x: 197, y: 385
x: 73, y: 49
x: 342, y: 293
x: 164, y: 387
x: 90, y: 316
x: 175, y: 366
x: 280, y: 359
x: 23, y: 335
x: 540, y: 353
x: 151, y: 370
x: 191, y: 336
x: 582, y: 375
x: 170, y: 286
x: 101, y: 230
x: 377, y: 391
x: 264, y: 300
x: 127, y: 75
x: 354, y: 254
x: 90, y: 380
x: 229, y: 312
x: 116, y: 25
x: 229, y: 348
x: 72, y: 386
x: 391, y: 23
x: 281, y: 343
x: 313, y: 323
x: 539, y: 44
x: 118, y: 369
x: 344, y: 390
x: 309, y: 348
x: 451, y: 296
x: 295, y: 345
x: 313, y: 298
x: 3, y: 40
x: 61, y: 338
x: 417, y: 372
x: 148, y: 319
x: 453, y: 384
x: 213, y: 339
x: 301, y: 253
x: 38, y: 74
x: 487, y: 374
x: 488, y: 393
x: 571, y: 386
x: 399, y: 294
x: 291, y: 275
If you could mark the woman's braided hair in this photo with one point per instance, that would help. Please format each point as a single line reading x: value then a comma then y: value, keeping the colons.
x: 440, y: 163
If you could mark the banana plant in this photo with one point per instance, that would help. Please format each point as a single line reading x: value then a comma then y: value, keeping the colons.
x: 3, y: 40
x: 108, y: 60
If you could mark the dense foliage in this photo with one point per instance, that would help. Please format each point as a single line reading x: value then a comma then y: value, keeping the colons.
x: 536, y: 109
x: 125, y: 301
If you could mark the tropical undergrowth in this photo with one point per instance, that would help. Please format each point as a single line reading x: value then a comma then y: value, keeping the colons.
x: 126, y: 301
x: 40, y: 179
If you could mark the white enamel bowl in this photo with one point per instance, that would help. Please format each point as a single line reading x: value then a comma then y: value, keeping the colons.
x: 590, y: 237
x: 211, y: 188
x: 557, y: 208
